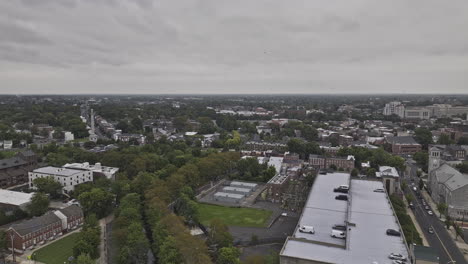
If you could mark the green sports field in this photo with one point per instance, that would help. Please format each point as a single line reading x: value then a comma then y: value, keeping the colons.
x: 57, y: 252
x: 248, y: 217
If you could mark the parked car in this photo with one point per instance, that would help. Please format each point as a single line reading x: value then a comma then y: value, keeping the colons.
x: 339, y: 227
x: 415, y: 189
x: 397, y: 256
x: 427, y: 207
x: 396, y: 261
x: 342, y: 197
x: 307, y: 229
x: 379, y: 190
x: 411, y: 205
x: 393, y: 232
x: 340, y: 190
x: 430, y: 230
x: 430, y: 212
x: 338, y: 234
x: 284, y: 214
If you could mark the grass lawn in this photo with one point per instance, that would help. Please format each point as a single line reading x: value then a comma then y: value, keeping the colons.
x: 248, y: 217
x: 58, y: 251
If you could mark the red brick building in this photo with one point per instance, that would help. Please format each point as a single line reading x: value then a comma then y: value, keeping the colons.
x: 39, y: 230
x: 403, y: 145
x: 14, y: 171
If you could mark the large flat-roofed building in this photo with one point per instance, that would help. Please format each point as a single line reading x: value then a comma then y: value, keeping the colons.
x: 367, y: 215
x: 68, y: 178
x: 97, y: 169
x: 10, y: 200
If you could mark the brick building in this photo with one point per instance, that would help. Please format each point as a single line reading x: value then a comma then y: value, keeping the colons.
x: 323, y: 162
x: 403, y: 145
x: 39, y: 230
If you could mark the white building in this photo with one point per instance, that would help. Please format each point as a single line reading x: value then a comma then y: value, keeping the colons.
x: 69, y: 136
x: 68, y: 178
x: 7, y: 144
x: 97, y: 169
x: 394, y: 108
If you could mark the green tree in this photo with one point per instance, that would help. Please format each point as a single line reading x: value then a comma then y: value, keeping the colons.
x: 219, y: 233
x: 228, y: 255
x: 445, y: 139
x: 442, y: 208
x: 463, y: 141
x: 3, y: 245
x: 463, y: 167
x: 423, y: 136
x: 48, y: 185
x: 39, y: 204
x: 85, y: 259
x: 421, y: 184
x: 354, y: 172
x: 96, y: 201
x: 422, y: 159
x: 168, y: 252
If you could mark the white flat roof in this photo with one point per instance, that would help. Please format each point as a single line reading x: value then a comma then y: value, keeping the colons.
x: 229, y: 195
x: 14, y: 198
x: 366, y: 242
x: 236, y: 189
x: 238, y: 183
x: 276, y: 162
x: 57, y: 171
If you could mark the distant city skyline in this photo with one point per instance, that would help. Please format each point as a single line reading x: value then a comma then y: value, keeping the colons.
x: 233, y: 47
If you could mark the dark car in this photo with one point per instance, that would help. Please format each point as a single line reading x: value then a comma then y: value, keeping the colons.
x: 342, y: 197
x: 393, y: 232
x: 340, y: 190
x: 339, y: 227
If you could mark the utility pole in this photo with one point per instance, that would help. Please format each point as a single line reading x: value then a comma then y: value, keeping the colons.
x: 12, y: 237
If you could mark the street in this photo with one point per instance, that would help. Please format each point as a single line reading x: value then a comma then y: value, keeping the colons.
x: 440, y: 240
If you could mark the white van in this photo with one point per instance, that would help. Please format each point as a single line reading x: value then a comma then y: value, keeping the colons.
x: 307, y: 229
x: 338, y: 234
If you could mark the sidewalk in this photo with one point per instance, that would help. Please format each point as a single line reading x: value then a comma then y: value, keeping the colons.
x: 458, y: 241
x: 103, y: 255
x: 422, y: 234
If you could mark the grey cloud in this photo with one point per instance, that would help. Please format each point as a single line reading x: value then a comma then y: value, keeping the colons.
x: 299, y: 44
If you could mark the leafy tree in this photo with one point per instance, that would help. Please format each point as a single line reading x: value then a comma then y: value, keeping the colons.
x: 168, y: 253
x: 421, y: 184
x: 96, y: 201
x: 422, y: 159
x: 463, y: 167
x: 228, y: 255
x: 39, y: 204
x: 463, y: 141
x: 448, y: 221
x: 371, y: 172
x: 442, y: 208
x: 354, y: 172
x: 48, y: 185
x: 423, y: 136
x: 85, y: 259
x: 445, y: 139
x: 219, y: 233
x: 3, y: 245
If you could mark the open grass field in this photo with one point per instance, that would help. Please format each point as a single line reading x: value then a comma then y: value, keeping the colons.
x: 57, y: 252
x: 248, y: 217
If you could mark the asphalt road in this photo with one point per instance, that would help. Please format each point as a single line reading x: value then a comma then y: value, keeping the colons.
x: 441, y: 241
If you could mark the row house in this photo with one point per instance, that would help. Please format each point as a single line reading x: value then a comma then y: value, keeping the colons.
x: 323, y: 162
x: 39, y: 230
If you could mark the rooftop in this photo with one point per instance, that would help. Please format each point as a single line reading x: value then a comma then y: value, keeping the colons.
x: 57, y: 171
x: 407, y: 140
x: 368, y: 215
x: 14, y: 198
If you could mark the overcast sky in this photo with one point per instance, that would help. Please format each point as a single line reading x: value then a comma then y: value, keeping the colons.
x: 233, y: 46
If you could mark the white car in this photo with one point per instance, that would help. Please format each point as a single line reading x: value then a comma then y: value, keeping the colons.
x: 430, y: 212
x: 396, y: 261
x: 307, y: 229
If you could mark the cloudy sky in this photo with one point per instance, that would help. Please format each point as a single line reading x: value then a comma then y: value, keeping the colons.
x: 240, y: 46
